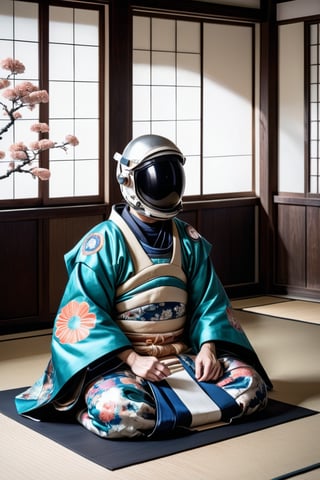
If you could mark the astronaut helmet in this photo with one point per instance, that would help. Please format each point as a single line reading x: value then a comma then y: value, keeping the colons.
x: 151, y: 176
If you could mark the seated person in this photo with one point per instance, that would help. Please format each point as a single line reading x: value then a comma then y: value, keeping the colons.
x: 142, y: 306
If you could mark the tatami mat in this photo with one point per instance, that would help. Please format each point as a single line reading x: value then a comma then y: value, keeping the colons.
x: 289, y: 351
x: 257, y: 301
x: 303, y: 311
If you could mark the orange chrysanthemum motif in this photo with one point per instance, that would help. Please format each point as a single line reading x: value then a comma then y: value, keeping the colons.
x: 74, y: 322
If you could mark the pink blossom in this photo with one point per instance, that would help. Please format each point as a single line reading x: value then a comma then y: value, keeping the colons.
x: 40, y: 127
x: 10, y: 94
x: 2, y: 154
x: 72, y: 140
x: 42, y: 173
x: 17, y: 115
x: 17, y: 146
x: 19, y: 155
x: 40, y: 96
x: 15, y: 66
x: 18, y: 151
x: 35, y: 145
x: 4, y: 83
x: 25, y: 88
x: 11, y: 165
x: 46, y: 144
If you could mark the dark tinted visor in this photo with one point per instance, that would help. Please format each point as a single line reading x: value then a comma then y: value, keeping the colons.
x: 160, y: 182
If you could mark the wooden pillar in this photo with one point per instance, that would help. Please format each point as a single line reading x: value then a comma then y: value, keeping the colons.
x: 268, y: 143
x: 120, y: 74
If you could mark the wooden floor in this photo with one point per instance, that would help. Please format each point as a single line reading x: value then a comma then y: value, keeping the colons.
x: 289, y: 350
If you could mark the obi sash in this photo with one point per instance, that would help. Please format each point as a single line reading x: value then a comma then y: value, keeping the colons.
x: 161, y: 287
x: 183, y: 402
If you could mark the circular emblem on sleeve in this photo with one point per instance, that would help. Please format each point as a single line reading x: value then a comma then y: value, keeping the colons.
x: 92, y: 244
x: 192, y: 232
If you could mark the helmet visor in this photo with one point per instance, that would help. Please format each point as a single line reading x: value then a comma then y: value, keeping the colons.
x: 160, y: 182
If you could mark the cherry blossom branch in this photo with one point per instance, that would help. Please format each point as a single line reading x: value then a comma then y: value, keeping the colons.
x: 25, y: 95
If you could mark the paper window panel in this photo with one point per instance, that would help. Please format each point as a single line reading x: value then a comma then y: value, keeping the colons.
x: 227, y: 174
x: 163, y: 35
x: 25, y: 186
x: 7, y: 137
x: 28, y: 53
x: 56, y: 54
x: 188, y: 37
x: 188, y: 103
x: 193, y: 175
x: 163, y: 70
x: 140, y: 128
x: 59, y: 128
x: 314, y: 166
x: 163, y: 103
x: 86, y: 30
x: 26, y: 21
x: 86, y: 100
x: 58, y: 106
x: 314, y: 109
x: 6, y: 19
x: 188, y: 69
x: 141, y: 103
x: 188, y: 137
x: 314, y: 184
x: 7, y: 184
x: 61, y: 25
x: 165, y: 128
x: 141, y: 72
x: 141, y: 33
x: 87, y: 131
x: 86, y: 63
x: 6, y: 47
x: 22, y: 132
x: 86, y: 177
x: 192, y: 106
x: 227, y: 95
x: 227, y: 123
x: 62, y: 179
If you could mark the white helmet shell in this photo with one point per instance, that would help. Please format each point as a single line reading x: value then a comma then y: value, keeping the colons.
x: 151, y: 176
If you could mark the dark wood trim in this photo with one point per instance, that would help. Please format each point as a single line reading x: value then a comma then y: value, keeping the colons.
x: 297, y: 200
x: 268, y: 143
x: 199, y: 9
x: 120, y: 67
x: 221, y: 203
x: 53, y: 212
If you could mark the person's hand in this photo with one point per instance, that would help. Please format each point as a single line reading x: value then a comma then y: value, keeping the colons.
x: 207, y: 367
x: 149, y: 368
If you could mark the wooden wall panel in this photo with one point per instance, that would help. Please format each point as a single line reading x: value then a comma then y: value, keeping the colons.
x: 64, y: 233
x: 33, y: 244
x: 313, y: 248
x: 231, y: 231
x: 19, y: 269
x: 291, y: 243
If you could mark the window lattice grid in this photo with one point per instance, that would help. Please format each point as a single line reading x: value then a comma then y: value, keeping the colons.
x: 19, y: 39
x: 184, y: 88
x: 74, y: 69
x: 167, y: 86
x: 74, y: 100
x: 314, y: 107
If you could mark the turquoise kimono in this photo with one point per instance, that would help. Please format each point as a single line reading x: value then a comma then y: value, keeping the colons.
x: 99, y: 307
